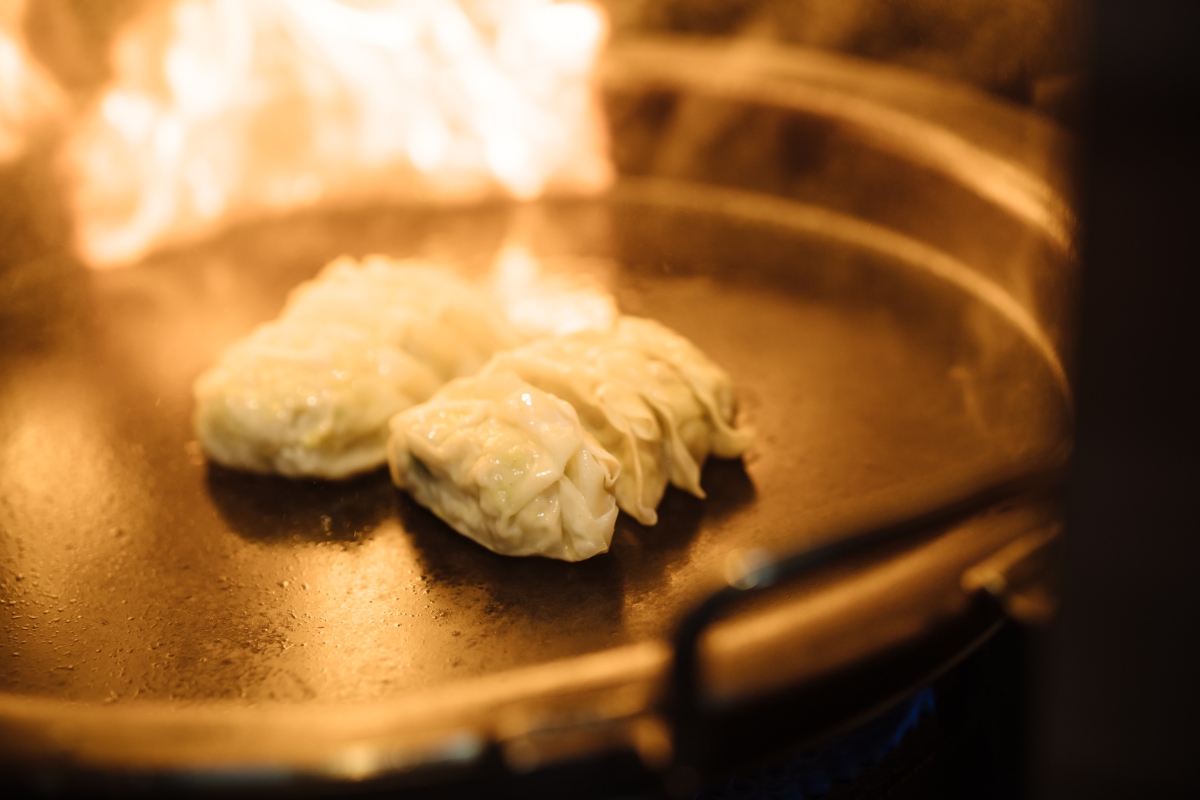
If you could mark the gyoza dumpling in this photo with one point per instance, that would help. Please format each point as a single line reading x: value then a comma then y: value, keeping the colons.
x: 425, y: 310
x: 648, y: 395
x: 306, y: 401
x: 311, y: 393
x: 509, y: 466
x: 709, y: 383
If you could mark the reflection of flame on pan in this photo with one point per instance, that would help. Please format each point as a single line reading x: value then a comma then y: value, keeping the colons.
x: 539, y: 302
x: 223, y: 109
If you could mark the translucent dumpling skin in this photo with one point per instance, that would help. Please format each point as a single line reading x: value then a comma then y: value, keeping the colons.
x: 508, y: 466
x: 648, y: 395
x: 311, y: 393
x: 305, y: 402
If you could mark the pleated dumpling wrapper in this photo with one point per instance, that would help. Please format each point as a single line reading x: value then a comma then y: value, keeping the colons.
x: 648, y: 395
x: 508, y: 466
x: 311, y: 393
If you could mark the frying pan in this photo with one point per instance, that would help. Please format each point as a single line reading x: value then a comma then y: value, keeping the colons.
x: 882, y: 261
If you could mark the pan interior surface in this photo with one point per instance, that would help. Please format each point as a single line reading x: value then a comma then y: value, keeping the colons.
x: 132, y: 570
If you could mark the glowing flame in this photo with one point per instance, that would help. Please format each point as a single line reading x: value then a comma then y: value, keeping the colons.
x: 28, y: 97
x: 222, y: 109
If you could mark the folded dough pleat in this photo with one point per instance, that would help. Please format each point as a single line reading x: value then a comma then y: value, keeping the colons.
x: 649, y: 396
x: 508, y: 466
x: 709, y: 383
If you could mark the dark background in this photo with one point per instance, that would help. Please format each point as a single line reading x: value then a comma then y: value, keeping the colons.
x: 1119, y: 699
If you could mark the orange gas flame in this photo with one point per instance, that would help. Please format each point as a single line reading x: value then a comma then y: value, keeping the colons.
x: 227, y: 109
x: 28, y: 97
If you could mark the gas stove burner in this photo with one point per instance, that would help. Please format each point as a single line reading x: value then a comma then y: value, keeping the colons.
x: 834, y: 764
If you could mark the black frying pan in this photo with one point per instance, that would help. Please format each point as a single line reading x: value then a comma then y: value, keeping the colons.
x: 896, y: 329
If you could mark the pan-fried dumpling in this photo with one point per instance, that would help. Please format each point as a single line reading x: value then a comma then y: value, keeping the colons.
x: 649, y: 396
x: 709, y: 383
x: 306, y: 401
x: 425, y: 310
x: 509, y: 466
x: 311, y: 393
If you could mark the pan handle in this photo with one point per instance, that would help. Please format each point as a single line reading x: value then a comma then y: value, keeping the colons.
x: 684, y: 700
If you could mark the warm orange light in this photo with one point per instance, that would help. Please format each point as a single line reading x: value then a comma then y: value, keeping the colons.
x: 28, y: 97
x: 222, y: 109
x: 539, y: 302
